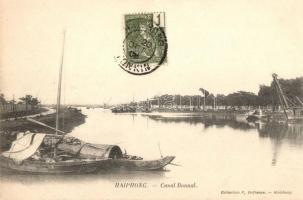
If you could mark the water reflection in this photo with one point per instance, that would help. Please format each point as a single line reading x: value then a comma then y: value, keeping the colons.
x: 277, y: 132
x: 280, y: 133
x: 209, y: 120
x: 293, y: 133
x: 117, y: 175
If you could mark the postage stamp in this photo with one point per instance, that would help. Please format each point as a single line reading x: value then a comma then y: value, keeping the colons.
x: 145, y: 43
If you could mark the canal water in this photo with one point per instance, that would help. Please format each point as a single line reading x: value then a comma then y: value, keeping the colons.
x: 222, y: 156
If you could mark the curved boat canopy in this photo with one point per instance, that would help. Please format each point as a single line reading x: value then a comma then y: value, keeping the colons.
x: 93, y: 151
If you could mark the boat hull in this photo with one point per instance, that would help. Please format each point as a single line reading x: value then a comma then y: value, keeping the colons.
x: 62, y: 167
x: 83, y: 166
x: 141, y: 165
x: 254, y: 118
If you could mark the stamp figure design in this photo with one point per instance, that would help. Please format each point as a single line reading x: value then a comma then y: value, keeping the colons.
x: 145, y: 43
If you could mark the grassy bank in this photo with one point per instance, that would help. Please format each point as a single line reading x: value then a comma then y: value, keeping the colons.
x: 68, y: 119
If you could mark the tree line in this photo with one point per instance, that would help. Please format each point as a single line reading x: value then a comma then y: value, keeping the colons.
x: 266, y: 96
x: 27, y: 100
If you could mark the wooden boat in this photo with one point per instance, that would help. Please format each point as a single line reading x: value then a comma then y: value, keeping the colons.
x: 59, y: 167
x: 256, y: 115
x: 123, y: 109
x: 83, y: 165
x: 76, y: 165
x: 33, y: 153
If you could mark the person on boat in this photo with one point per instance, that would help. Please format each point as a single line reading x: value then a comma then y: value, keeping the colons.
x: 125, y: 154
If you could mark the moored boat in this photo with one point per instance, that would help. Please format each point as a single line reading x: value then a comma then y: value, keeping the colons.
x: 255, y: 115
x: 123, y: 109
x: 33, y: 153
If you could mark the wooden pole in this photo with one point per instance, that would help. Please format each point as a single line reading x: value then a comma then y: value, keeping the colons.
x: 180, y: 103
x: 204, y: 101
x: 45, y: 125
x: 198, y: 103
x: 158, y: 102
x: 59, y: 90
x: 13, y: 102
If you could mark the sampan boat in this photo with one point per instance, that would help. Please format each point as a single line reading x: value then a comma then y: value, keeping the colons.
x: 54, y: 154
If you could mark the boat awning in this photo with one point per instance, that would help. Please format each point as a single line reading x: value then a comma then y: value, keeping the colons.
x: 24, y: 146
x: 100, y: 151
x: 93, y: 151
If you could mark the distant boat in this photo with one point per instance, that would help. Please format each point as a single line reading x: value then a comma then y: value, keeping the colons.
x: 256, y: 115
x: 123, y: 109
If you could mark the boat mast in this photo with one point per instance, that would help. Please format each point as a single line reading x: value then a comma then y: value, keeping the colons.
x: 59, y: 90
x: 280, y: 94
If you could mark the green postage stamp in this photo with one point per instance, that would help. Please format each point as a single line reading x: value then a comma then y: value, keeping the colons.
x: 145, y: 43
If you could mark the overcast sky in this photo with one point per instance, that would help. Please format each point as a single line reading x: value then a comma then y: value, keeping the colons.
x: 218, y: 45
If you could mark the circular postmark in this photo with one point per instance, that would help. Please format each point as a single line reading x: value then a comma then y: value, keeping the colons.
x: 145, y: 47
x: 140, y: 46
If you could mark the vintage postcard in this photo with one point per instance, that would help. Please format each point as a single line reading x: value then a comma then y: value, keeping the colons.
x: 114, y: 100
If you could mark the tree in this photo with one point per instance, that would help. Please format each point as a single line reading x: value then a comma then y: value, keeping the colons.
x: 205, y: 92
x: 2, y: 99
x: 29, y: 100
x: 34, y: 101
x: 291, y: 88
x: 221, y: 100
x: 242, y: 98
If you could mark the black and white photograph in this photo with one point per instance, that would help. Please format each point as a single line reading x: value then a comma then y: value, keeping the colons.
x: 114, y: 100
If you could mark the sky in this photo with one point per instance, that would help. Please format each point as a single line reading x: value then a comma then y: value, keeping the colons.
x: 222, y: 46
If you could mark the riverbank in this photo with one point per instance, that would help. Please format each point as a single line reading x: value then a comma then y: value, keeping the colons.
x: 18, y: 114
x: 201, y: 111
x: 68, y: 120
